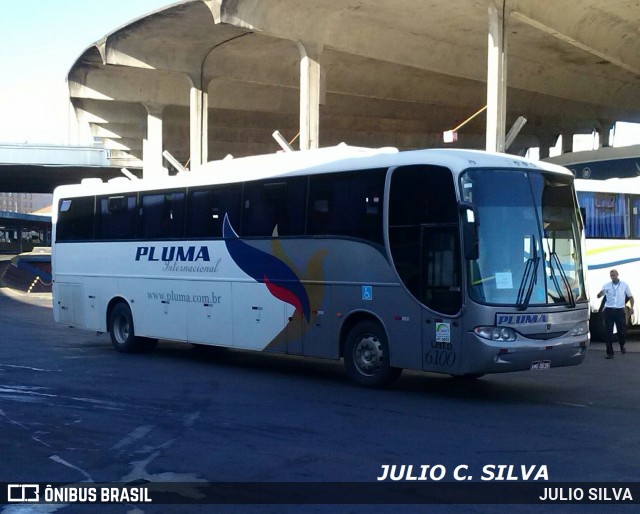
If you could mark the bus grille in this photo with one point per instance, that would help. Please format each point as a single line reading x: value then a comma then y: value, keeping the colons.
x: 545, y: 335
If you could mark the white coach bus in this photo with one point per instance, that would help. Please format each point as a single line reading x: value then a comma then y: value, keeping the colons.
x: 610, y: 204
x: 450, y: 261
x: 611, y: 209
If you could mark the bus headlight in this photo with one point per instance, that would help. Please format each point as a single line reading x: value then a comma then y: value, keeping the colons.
x: 580, y: 329
x: 496, y: 333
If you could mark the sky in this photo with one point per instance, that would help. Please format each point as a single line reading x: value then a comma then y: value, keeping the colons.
x: 41, y: 39
x: 39, y: 42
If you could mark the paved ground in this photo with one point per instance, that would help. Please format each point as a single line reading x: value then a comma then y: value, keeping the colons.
x: 74, y: 410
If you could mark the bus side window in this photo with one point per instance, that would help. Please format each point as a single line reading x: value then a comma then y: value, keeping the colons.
x: 274, y: 203
x: 258, y: 218
x: 347, y: 204
x: 116, y: 217
x: 635, y: 219
x: 319, y: 209
x: 604, y: 214
x: 203, y: 214
x: 162, y: 215
x: 75, y: 219
x: 207, y: 207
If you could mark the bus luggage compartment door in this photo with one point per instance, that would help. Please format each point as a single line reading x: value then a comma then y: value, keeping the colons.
x: 258, y: 317
x: 208, y: 320
x: 69, y: 304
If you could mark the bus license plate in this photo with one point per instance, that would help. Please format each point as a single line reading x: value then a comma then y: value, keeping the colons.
x: 540, y: 364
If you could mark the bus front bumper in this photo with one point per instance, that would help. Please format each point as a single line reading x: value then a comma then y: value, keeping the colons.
x: 486, y: 356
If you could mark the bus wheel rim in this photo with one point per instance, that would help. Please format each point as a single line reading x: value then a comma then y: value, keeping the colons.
x: 121, y: 329
x: 368, y: 355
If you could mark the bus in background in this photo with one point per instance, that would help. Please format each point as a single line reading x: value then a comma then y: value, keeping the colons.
x: 449, y: 261
x: 604, y: 163
x: 609, y: 201
x: 612, y: 228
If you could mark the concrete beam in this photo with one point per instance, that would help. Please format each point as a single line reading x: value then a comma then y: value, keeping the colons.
x: 186, y: 32
x: 116, y: 130
x: 127, y: 158
x: 128, y: 85
x: 109, y: 111
x: 587, y: 25
x: 422, y: 39
x: 381, y: 62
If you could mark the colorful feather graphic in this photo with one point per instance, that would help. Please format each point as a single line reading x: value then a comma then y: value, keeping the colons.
x: 280, y: 279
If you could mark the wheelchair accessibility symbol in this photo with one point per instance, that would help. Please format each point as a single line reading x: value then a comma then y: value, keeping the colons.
x: 367, y: 292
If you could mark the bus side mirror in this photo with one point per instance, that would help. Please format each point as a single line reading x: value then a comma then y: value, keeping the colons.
x: 469, y: 232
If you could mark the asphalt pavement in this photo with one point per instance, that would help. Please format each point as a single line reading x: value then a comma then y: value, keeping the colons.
x: 72, y: 409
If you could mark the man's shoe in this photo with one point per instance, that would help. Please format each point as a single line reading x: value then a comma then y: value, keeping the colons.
x: 609, y: 357
x: 623, y: 350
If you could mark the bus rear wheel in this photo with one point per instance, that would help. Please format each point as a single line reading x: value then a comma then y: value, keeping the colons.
x: 366, y: 356
x: 123, y: 337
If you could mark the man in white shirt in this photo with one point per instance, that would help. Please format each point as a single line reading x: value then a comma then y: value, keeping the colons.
x: 617, y: 295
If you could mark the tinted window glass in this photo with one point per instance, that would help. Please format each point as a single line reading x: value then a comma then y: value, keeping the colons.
x: 347, y: 204
x: 423, y: 235
x: 604, y: 215
x: 274, y: 206
x: 206, y: 209
x: 162, y: 215
x: 116, y: 217
x: 422, y: 195
x: 75, y: 219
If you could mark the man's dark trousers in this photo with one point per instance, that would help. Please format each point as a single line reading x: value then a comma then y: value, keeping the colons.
x: 616, y: 316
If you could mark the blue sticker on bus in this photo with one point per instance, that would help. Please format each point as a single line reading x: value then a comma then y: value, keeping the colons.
x: 367, y: 292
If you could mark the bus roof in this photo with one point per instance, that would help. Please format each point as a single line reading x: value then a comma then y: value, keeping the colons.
x: 601, y: 154
x: 612, y: 185
x: 309, y: 162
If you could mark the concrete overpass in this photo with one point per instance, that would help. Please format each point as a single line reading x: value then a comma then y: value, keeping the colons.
x: 205, y: 78
x: 26, y: 168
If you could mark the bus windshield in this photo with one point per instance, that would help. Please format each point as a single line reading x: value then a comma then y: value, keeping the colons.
x: 528, y: 238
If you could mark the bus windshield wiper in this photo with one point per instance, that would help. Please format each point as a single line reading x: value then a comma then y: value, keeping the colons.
x: 565, y: 281
x: 529, y: 278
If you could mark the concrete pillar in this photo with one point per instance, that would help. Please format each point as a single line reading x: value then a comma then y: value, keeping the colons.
x: 309, y: 95
x: 496, y: 79
x: 603, y: 138
x: 604, y: 132
x: 152, y: 144
x: 567, y: 142
x: 198, y: 127
x: 545, y: 143
x: 543, y: 152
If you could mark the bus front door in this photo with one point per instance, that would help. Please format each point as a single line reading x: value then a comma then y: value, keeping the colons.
x: 441, y: 292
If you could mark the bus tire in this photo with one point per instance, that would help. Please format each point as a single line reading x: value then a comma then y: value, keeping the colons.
x: 366, y: 356
x: 122, y: 333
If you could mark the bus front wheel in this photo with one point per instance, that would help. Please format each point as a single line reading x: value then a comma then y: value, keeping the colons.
x: 123, y: 337
x: 366, y: 356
